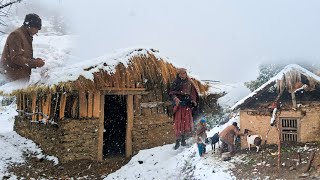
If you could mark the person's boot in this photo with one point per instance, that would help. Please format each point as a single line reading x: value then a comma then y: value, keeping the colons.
x: 183, y: 141
x: 177, y: 144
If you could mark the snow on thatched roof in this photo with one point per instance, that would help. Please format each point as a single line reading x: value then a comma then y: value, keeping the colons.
x: 87, y: 68
x: 126, y: 66
x: 285, y: 79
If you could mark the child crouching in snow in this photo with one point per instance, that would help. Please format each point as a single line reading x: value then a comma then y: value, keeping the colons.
x: 201, y: 136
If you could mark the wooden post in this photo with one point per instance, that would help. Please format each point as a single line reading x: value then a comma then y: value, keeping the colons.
x: 74, y: 112
x: 62, y: 105
x: 279, y: 145
x: 101, y: 128
x: 18, y: 103
x: 39, y: 107
x: 33, y: 105
x: 293, y: 97
x: 48, y: 104
x: 129, y: 125
x: 23, y: 102
x: 83, y: 106
x: 90, y: 104
x: 96, y: 104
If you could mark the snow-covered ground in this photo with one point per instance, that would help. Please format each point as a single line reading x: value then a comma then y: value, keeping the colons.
x: 185, y: 163
x: 12, y: 145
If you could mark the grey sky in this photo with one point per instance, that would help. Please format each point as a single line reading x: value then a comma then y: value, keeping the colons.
x: 216, y: 39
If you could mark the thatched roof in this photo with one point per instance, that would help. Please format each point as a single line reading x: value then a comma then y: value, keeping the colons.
x: 287, y: 79
x: 134, y: 68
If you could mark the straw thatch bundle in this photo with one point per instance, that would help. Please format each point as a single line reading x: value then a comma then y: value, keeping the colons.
x: 142, y: 71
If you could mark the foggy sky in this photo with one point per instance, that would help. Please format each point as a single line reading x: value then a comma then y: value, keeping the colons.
x: 222, y: 40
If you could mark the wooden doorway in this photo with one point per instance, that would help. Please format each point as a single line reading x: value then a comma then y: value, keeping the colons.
x: 115, y: 121
x: 129, y: 124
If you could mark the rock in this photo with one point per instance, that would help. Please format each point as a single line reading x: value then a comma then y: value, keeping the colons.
x: 6, y: 177
x: 303, y: 175
x: 292, y: 168
x: 226, y: 156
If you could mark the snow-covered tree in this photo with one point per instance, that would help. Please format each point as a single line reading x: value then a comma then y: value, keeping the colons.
x: 5, y: 6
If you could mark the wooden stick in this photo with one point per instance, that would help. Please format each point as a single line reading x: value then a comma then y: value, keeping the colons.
x: 55, y: 107
x: 310, y: 161
x: 33, y: 105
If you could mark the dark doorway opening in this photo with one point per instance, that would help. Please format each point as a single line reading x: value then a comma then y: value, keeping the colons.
x: 115, y: 121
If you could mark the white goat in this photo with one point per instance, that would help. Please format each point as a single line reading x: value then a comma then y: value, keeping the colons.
x: 253, y: 139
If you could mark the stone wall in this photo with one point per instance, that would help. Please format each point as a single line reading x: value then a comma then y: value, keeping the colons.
x: 71, y: 140
x: 152, y: 126
x: 46, y: 136
x: 151, y: 131
x: 308, y: 124
x: 79, y: 139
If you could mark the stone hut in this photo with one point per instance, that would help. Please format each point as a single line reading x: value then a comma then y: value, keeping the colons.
x: 292, y: 99
x: 109, y: 106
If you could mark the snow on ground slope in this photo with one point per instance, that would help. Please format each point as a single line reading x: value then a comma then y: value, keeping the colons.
x: 166, y: 163
x: 234, y: 92
x: 12, y: 145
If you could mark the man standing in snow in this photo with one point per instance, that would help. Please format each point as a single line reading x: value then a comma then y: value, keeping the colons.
x: 184, y: 95
x: 227, y: 137
x: 17, y: 56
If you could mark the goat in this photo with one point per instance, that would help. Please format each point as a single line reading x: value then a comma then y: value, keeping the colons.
x: 253, y: 139
x: 213, y: 140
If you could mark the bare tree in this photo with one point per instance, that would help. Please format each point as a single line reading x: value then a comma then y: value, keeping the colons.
x: 5, y: 6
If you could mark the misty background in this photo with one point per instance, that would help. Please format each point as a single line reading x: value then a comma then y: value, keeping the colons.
x: 215, y: 40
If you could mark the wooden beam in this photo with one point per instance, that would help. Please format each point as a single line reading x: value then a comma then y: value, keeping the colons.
x: 123, y: 91
x: 96, y: 104
x: 62, y: 105
x: 33, y: 104
x: 293, y: 97
x: 101, y: 128
x: 130, y: 115
x: 90, y: 104
x: 83, y: 105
